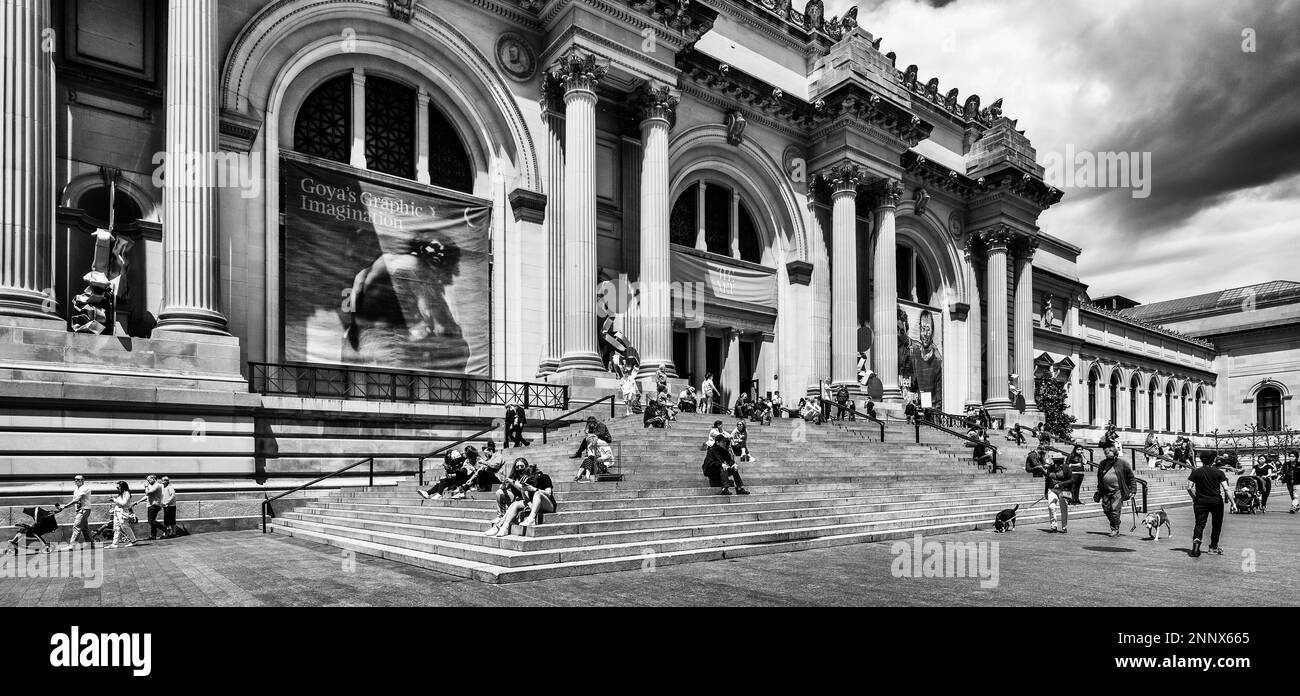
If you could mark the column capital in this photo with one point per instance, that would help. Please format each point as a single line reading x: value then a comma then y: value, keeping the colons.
x: 889, y: 193
x: 843, y: 178
x: 552, y: 95
x: 655, y: 101
x: 1026, y: 247
x: 997, y: 238
x: 579, y: 71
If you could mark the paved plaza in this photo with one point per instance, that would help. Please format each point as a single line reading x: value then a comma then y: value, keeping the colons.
x: 1260, y: 566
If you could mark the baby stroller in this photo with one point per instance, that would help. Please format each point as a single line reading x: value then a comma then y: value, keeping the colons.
x: 43, y: 522
x: 1249, y: 495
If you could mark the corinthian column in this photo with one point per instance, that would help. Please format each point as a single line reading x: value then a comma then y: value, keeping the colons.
x: 553, y: 115
x: 844, y: 181
x: 1024, y: 318
x: 997, y: 241
x: 658, y: 112
x: 26, y: 161
x: 579, y: 73
x: 884, y: 288
x: 190, y: 287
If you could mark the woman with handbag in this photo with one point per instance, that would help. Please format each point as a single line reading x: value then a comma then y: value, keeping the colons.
x: 123, y: 516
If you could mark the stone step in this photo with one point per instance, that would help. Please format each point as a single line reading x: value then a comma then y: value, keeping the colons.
x: 634, y: 556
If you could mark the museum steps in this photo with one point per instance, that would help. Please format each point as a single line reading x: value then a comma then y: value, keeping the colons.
x: 828, y: 486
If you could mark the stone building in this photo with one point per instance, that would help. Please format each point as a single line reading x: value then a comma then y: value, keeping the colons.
x: 757, y: 192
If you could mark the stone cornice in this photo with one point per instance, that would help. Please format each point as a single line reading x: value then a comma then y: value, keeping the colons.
x: 706, y: 95
x: 1155, y: 328
x: 937, y: 176
x: 856, y: 104
x: 633, y: 61
x: 758, y: 95
x: 684, y: 19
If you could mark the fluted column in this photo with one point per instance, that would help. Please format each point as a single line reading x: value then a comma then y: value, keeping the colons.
x: 974, y: 336
x: 658, y: 107
x: 884, y: 288
x: 844, y: 181
x: 579, y: 73
x: 997, y: 241
x: 1024, y: 318
x: 553, y: 116
x: 190, y: 287
x: 26, y: 161
x: 422, y: 134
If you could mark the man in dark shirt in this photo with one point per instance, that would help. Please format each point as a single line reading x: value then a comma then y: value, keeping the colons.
x: 1208, y: 487
x: 1034, y: 463
x: 594, y: 427
x: 516, y: 419
x: 1059, y: 482
x: 1115, y: 483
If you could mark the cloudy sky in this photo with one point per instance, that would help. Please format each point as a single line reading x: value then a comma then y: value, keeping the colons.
x: 1172, y: 78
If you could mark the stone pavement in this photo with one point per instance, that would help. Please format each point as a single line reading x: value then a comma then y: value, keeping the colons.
x: 1035, y: 568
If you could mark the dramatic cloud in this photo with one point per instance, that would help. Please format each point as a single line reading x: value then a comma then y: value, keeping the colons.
x: 1177, y: 80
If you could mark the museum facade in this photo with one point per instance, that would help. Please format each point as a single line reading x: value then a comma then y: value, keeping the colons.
x: 494, y: 188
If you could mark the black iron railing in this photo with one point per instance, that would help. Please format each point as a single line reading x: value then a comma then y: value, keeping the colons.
x: 961, y: 436
x: 564, y: 416
x: 266, y: 504
x: 405, y: 386
x: 1133, y: 451
x: 1092, y: 458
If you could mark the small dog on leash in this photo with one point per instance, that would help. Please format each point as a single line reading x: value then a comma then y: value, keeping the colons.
x: 1154, y: 520
x: 1006, y: 520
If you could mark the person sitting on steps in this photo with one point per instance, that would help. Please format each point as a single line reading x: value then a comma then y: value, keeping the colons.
x: 594, y: 427
x: 984, y: 455
x: 740, y: 442
x: 536, y: 496
x: 687, y: 401
x: 454, y: 474
x: 485, y: 468
x: 655, y: 415
x: 507, y: 494
x: 720, y: 468
x: 1036, y: 462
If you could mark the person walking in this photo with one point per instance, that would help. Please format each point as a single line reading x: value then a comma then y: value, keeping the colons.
x: 1266, y: 470
x: 122, y: 517
x: 81, y: 522
x: 153, y: 494
x: 1058, y: 482
x: 516, y: 419
x: 1208, y: 487
x: 708, y: 394
x: 1291, y: 478
x: 1115, y: 482
x: 1077, y: 464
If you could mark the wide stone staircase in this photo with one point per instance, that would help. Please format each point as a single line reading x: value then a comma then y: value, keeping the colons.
x: 812, y: 487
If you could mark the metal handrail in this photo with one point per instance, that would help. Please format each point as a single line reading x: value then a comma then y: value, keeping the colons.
x: 1142, y: 482
x: 546, y: 425
x: 919, y: 422
x: 1134, y: 449
x: 266, y: 504
x: 404, y: 386
x: 1092, y: 458
x: 441, y: 450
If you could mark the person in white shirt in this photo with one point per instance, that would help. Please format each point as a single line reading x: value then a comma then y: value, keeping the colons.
x: 153, y: 494
x: 121, y: 515
x: 168, y: 506
x: 81, y: 522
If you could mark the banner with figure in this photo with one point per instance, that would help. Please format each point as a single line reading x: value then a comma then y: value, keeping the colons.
x: 380, y: 276
x: 920, y: 356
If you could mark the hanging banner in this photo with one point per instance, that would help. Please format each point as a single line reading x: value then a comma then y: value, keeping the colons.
x: 380, y: 276
x: 723, y: 281
x: 920, y: 356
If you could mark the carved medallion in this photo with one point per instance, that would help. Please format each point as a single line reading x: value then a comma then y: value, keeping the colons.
x: 954, y: 225
x: 515, y: 57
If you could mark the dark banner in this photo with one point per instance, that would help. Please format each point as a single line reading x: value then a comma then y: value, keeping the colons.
x: 375, y: 275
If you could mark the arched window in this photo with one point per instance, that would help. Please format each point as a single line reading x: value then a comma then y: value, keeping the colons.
x: 1169, y: 407
x: 324, y: 129
x: 720, y: 225
x: 324, y: 125
x: 1182, y: 406
x: 912, y: 278
x: 1268, y: 409
x: 1133, y: 402
x: 1114, y: 398
x: 1151, y: 404
x: 1200, y: 397
x: 1092, y: 397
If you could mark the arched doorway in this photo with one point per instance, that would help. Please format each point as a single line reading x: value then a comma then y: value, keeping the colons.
x: 1092, y: 396
x: 1114, y: 397
x: 1152, y: 389
x: 1133, y: 387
